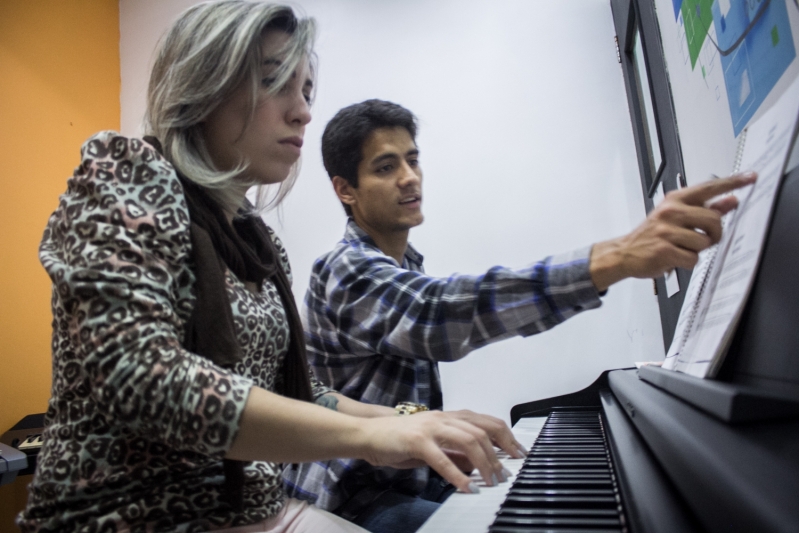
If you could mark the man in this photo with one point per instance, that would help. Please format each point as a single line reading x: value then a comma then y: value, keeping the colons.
x: 376, y: 325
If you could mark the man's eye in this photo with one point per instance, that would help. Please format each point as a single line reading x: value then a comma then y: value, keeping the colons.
x: 384, y: 169
x: 413, y: 163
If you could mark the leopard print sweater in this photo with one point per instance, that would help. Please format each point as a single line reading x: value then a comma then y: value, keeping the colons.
x: 137, y: 427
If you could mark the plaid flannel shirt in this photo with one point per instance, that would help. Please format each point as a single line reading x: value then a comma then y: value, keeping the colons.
x: 375, y: 331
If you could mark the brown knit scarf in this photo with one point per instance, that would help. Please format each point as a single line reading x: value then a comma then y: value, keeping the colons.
x: 248, y: 251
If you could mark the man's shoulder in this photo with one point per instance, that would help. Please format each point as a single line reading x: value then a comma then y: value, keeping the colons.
x: 348, y: 255
x: 354, y: 249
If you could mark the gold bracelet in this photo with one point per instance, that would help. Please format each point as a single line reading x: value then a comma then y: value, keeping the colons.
x: 409, y: 408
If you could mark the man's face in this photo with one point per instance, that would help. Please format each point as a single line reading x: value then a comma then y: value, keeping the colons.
x: 388, y: 198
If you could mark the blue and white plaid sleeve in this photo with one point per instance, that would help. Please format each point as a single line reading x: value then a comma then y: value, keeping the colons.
x: 363, y: 303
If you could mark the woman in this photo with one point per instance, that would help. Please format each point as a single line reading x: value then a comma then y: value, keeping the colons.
x: 179, y: 373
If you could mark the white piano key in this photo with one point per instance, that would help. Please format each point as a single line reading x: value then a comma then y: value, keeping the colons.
x: 473, y: 513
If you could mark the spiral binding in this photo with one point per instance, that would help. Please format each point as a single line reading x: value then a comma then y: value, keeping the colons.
x: 739, y: 152
x: 712, y: 253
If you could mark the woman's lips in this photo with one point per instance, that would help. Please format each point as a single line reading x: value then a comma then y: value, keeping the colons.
x: 292, y: 143
x: 295, y: 140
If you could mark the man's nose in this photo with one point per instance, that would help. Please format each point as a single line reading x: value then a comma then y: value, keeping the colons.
x: 409, y: 175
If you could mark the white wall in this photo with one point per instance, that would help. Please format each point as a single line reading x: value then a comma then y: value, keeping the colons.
x: 526, y: 147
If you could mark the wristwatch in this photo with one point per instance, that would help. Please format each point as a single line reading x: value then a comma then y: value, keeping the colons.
x: 409, y: 408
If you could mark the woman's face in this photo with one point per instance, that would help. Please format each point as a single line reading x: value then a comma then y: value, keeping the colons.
x: 271, y: 142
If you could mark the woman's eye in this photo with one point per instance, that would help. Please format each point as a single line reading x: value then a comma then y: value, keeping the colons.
x: 307, y: 98
x: 268, y: 82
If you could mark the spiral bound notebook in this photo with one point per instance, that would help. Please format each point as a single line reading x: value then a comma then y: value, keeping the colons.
x: 723, y: 277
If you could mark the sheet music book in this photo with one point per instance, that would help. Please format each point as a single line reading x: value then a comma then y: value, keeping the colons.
x: 723, y: 277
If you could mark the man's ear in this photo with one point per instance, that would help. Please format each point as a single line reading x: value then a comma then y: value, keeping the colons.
x: 344, y: 190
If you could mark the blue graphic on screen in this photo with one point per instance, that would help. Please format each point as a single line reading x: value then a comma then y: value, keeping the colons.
x: 755, y: 66
x: 677, y: 6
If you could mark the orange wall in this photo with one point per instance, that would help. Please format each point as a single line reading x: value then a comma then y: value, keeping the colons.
x: 59, y: 83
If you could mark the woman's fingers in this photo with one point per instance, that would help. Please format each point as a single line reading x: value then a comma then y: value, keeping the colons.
x: 485, y: 459
x: 461, y: 461
x: 438, y: 461
x: 499, y: 432
x: 474, y: 444
x: 401, y: 442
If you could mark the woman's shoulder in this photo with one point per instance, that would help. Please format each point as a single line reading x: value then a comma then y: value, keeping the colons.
x: 109, y: 143
x: 128, y: 175
x: 114, y: 158
x: 122, y: 189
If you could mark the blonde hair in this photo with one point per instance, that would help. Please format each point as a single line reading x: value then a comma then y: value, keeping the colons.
x: 209, y: 51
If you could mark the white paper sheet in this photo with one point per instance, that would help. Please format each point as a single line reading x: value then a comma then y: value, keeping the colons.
x: 723, y: 278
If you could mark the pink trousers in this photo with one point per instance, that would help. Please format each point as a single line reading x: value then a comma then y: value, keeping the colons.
x: 299, y: 517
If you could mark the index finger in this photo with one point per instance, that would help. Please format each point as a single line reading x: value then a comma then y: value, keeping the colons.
x: 699, y: 194
x: 505, y: 440
x: 442, y: 464
x: 498, y: 431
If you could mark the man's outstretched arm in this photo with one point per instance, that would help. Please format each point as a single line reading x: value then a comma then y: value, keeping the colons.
x: 671, y: 236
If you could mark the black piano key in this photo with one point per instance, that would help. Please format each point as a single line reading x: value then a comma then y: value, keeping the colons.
x: 546, y: 474
x: 535, y: 529
x: 565, y: 462
x: 561, y: 522
x: 559, y: 519
x: 572, y: 491
x: 562, y: 502
x: 579, y: 513
x: 559, y: 452
x: 532, y: 477
x: 572, y: 441
x: 566, y: 483
x: 527, y: 483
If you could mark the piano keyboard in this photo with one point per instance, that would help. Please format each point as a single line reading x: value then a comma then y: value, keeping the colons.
x: 566, y: 484
x: 31, y: 442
